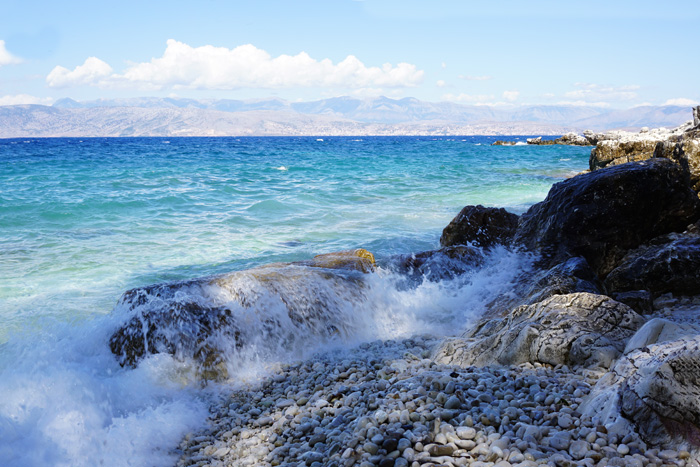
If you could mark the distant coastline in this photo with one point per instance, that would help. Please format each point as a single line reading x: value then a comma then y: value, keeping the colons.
x: 330, y: 117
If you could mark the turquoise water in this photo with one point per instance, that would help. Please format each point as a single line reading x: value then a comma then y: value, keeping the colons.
x: 81, y: 221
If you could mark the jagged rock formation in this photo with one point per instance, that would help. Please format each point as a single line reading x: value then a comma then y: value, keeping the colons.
x: 575, y: 329
x: 203, y: 320
x: 480, y: 226
x: 601, y: 215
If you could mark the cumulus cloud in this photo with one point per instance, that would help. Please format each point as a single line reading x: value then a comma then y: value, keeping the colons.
x: 22, y: 99
x: 94, y: 72
x: 475, y: 78
x: 511, y: 96
x: 440, y: 83
x: 6, y: 58
x: 589, y: 92
x: 682, y: 101
x: 207, y: 67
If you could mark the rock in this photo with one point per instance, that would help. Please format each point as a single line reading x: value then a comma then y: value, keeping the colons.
x: 198, y: 319
x: 667, y: 264
x: 659, y: 330
x: 575, y: 329
x: 603, y: 214
x: 578, y: 449
x: 571, y: 276
x: 656, y: 388
x: 640, y: 301
x: 696, y: 116
x: 560, y: 441
x: 681, y: 145
x: 503, y: 143
x: 445, y: 263
x: 480, y: 226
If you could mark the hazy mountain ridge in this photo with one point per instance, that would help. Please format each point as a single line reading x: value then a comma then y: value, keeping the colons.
x: 150, y: 116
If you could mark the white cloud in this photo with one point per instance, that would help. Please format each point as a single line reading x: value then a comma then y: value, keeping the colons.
x: 682, y: 101
x: 511, y: 96
x: 444, y: 65
x: 589, y: 92
x: 440, y: 83
x: 475, y: 78
x: 21, y: 99
x: 94, y: 72
x: 6, y: 58
x: 246, y: 66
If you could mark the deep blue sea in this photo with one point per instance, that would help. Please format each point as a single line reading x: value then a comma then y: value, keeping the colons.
x: 82, y: 221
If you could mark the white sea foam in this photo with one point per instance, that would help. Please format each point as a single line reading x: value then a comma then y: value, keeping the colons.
x: 521, y: 143
x: 282, y: 168
x: 67, y: 402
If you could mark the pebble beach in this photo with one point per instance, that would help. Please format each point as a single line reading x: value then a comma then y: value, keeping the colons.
x: 386, y: 403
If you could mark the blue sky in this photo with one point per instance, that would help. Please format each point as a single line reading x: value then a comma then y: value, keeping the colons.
x: 617, y: 54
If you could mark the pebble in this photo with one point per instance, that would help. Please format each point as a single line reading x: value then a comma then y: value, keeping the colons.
x: 387, y: 404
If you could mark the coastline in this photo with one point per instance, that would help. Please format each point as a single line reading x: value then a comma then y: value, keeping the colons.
x: 423, y: 401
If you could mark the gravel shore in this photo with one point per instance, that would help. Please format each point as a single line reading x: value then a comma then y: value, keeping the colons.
x: 388, y: 404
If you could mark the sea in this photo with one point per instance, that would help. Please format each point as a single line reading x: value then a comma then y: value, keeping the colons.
x: 84, y: 220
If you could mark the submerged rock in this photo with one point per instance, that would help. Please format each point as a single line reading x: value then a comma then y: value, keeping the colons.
x: 480, y: 226
x: 444, y: 263
x: 603, y: 214
x: 272, y: 307
x: 575, y: 329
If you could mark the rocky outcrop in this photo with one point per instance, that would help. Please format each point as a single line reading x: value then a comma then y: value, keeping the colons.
x: 669, y: 264
x: 655, y: 386
x: 204, y: 320
x: 480, y: 226
x: 602, y: 214
x: 681, y: 145
x: 575, y: 329
x: 568, y: 139
x: 503, y: 143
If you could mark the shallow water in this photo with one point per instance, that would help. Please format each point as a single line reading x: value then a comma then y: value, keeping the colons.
x: 81, y: 221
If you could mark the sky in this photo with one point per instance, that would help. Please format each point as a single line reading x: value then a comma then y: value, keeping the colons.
x: 617, y: 54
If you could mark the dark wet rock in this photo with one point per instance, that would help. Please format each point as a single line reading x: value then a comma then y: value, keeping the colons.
x: 640, y: 301
x: 669, y: 264
x: 571, y: 276
x: 480, y: 226
x: 204, y: 320
x: 444, y: 263
x: 602, y: 214
x: 503, y: 143
x: 656, y: 386
x: 575, y: 329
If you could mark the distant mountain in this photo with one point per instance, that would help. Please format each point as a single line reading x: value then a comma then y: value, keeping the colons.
x: 151, y: 116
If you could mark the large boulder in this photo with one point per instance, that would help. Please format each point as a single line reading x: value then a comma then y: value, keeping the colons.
x: 480, y: 226
x: 265, y: 309
x: 655, y: 386
x: 576, y: 329
x: 670, y: 263
x: 602, y: 214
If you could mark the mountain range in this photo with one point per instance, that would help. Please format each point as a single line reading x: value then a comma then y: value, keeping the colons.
x: 151, y: 116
